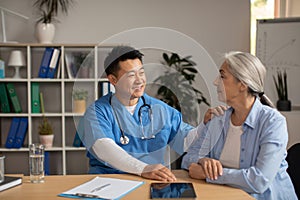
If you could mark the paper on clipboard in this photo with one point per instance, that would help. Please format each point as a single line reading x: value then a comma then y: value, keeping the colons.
x: 103, y: 188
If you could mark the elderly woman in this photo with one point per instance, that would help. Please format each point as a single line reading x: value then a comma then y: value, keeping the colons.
x: 246, y: 147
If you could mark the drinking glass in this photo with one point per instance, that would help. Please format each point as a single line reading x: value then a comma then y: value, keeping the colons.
x: 2, y: 168
x: 36, y: 163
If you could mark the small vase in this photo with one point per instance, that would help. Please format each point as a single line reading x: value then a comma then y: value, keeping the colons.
x: 79, y: 106
x: 45, y: 33
x: 284, y: 105
x: 47, y: 140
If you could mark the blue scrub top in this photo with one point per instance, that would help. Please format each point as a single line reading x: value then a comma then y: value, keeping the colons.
x: 100, y: 121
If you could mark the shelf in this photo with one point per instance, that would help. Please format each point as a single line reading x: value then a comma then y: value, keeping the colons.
x: 14, y: 150
x: 57, y: 95
x: 46, y: 114
x: 75, y: 148
x: 13, y: 114
x: 12, y: 80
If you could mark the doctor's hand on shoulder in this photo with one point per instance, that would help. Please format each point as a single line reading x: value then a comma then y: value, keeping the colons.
x: 158, y: 172
x: 216, y: 111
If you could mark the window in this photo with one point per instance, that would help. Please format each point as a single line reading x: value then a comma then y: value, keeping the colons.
x: 260, y: 9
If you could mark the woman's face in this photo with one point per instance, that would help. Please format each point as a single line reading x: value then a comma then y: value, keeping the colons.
x: 228, y: 87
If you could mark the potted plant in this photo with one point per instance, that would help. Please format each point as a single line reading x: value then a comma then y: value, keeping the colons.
x: 79, y: 100
x: 45, y: 128
x: 181, y: 79
x: 48, y: 10
x: 46, y: 133
x: 283, y: 103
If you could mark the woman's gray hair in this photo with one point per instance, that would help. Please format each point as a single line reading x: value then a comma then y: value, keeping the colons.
x: 248, y: 69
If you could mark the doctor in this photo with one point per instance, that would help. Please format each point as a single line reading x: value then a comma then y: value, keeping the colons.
x: 129, y: 131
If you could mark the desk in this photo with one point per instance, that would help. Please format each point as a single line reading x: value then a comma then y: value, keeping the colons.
x: 55, y: 185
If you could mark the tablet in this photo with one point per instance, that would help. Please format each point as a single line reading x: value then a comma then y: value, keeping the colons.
x: 172, y: 191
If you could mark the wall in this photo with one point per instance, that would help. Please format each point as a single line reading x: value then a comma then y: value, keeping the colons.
x: 219, y: 26
x: 293, y: 8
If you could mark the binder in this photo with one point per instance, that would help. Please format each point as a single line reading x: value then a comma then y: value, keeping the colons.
x: 2, y: 69
x: 35, y: 98
x: 4, y: 99
x: 47, y: 163
x: 13, y: 97
x: 45, y: 62
x: 105, y: 87
x: 21, y: 132
x: 10, y: 140
x: 77, y: 141
x: 54, y: 62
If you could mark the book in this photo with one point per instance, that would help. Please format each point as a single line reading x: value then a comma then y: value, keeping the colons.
x: 10, y: 140
x: 2, y: 69
x: 105, y: 87
x: 105, y: 188
x: 4, y: 99
x: 68, y: 61
x: 21, y: 133
x: 13, y: 97
x: 54, y: 62
x: 35, y: 98
x: 9, y: 182
x: 58, y: 70
x: 44, y: 67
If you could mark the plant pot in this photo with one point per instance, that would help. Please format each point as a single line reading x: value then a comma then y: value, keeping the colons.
x: 284, y: 105
x: 79, y: 106
x: 45, y: 33
x: 47, y: 140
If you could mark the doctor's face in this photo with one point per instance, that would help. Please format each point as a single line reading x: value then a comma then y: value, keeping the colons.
x: 131, y: 79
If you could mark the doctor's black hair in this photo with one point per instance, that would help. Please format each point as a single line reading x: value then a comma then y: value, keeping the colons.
x: 120, y: 53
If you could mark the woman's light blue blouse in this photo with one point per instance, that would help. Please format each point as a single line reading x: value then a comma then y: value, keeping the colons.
x: 263, y: 166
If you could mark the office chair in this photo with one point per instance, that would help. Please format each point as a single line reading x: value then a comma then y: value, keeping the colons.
x: 293, y: 159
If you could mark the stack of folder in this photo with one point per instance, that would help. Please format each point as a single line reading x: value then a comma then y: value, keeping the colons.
x: 50, y: 63
x: 8, y: 96
x: 17, y: 132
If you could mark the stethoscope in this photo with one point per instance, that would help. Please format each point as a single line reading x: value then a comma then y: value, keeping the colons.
x: 124, y: 139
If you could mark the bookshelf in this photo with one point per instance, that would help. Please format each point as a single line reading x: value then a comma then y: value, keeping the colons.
x: 64, y: 158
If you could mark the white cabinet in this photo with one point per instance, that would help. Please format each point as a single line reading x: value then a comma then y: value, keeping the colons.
x: 64, y: 158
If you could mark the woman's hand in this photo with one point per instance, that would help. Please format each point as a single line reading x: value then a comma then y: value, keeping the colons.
x: 212, y: 168
x: 196, y: 171
x: 216, y: 111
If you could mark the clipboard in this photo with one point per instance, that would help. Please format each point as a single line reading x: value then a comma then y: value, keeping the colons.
x: 103, y: 188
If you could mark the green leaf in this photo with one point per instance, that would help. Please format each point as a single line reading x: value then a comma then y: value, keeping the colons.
x: 166, y: 58
x: 281, y: 85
